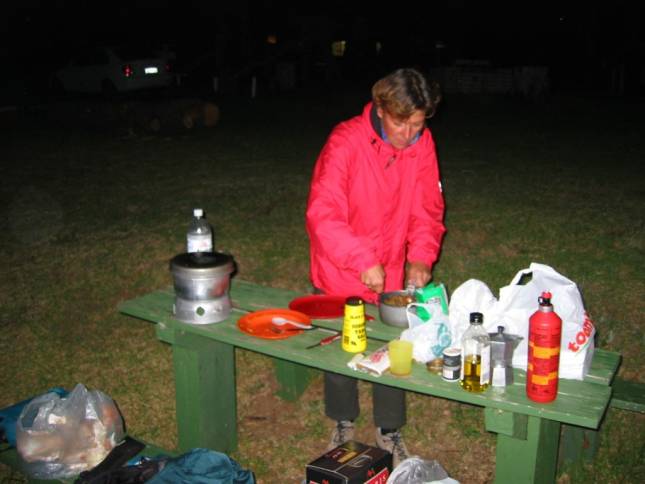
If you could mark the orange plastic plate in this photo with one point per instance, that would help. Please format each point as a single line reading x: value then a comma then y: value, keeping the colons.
x: 259, y: 324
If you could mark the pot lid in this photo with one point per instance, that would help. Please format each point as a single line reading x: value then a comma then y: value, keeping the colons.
x: 202, y: 262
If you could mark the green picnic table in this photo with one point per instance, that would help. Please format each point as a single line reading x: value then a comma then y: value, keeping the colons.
x: 528, y: 433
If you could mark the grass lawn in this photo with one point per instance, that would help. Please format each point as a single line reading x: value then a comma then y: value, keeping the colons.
x: 91, y: 217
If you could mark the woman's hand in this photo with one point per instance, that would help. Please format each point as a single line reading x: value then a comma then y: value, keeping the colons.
x: 418, y: 273
x: 374, y: 278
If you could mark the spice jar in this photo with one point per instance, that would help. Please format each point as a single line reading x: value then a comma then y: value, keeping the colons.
x: 451, y: 364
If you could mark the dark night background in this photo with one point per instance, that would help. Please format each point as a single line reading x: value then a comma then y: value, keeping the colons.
x: 586, y: 46
x: 97, y: 188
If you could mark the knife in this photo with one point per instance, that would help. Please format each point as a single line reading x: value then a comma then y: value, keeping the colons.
x: 326, y: 341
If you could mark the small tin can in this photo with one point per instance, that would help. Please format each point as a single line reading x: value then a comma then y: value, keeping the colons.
x: 451, y: 364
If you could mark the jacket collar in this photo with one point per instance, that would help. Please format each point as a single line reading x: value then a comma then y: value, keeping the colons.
x: 375, y: 121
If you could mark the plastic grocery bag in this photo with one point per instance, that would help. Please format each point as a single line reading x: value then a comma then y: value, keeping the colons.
x: 415, y: 470
x: 61, y: 437
x: 429, y: 337
x: 472, y: 296
x: 517, y: 302
x: 9, y: 416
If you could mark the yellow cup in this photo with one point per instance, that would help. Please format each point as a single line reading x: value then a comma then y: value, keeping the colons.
x: 400, y: 353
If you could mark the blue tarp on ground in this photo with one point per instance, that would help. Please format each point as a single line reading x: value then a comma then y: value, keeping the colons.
x: 202, y: 466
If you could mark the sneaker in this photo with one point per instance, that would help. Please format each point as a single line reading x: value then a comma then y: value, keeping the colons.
x: 343, y: 432
x: 393, y: 443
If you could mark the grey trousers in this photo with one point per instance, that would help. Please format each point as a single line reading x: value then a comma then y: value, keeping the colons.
x: 341, y: 401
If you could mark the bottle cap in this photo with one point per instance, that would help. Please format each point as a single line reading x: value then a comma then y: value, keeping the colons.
x: 353, y: 301
x: 545, y: 299
x: 198, y: 212
x: 476, y: 318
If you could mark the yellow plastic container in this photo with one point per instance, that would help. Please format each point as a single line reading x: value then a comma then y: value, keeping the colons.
x: 354, y: 331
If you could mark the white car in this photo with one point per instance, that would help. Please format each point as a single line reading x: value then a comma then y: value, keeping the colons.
x: 114, y: 69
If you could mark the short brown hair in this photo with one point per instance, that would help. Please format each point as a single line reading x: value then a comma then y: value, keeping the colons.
x: 405, y: 91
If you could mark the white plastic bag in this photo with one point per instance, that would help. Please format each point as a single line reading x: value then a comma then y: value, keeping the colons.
x: 471, y: 297
x: 429, y: 338
x: 58, y: 437
x: 415, y: 470
x: 517, y: 302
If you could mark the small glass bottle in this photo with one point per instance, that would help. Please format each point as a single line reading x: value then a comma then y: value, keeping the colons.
x: 199, y: 237
x: 475, y: 356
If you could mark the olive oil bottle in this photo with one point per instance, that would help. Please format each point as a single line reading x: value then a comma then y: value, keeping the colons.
x: 475, y: 356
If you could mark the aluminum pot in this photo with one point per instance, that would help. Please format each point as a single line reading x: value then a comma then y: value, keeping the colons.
x: 201, y: 276
x: 394, y: 315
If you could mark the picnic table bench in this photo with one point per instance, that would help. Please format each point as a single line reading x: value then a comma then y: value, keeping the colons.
x: 528, y: 433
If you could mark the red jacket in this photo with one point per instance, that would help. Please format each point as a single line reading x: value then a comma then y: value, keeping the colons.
x: 370, y: 203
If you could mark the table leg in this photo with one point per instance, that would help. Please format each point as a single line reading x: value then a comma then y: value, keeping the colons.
x: 527, y: 447
x: 578, y: 444
x: 205, y: 393
x: 293, y: 379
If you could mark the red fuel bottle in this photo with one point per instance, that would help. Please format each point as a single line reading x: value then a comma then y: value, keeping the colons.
x: 545, y: 332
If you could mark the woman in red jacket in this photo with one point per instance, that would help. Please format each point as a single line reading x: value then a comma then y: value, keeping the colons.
x: 375, y: 223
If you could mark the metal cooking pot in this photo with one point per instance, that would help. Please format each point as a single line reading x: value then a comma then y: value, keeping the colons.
x: 201, y: 276
x: 393, y: 315
x: 201, y: 281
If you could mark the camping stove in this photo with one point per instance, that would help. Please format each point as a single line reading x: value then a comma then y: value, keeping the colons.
x: 201, y: 281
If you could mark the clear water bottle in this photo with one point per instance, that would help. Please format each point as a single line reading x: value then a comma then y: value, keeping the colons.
x: 475, y: 356
x: 200, y: 235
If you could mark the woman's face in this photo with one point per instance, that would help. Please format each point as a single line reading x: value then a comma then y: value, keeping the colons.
x: 401, y: 132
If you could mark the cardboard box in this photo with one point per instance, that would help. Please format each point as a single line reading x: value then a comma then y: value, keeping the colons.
x: 351, y: 463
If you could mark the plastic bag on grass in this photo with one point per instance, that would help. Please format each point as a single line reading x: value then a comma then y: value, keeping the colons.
x: 9, y: 416
x: 61, y: 437
x: 415, y: 470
